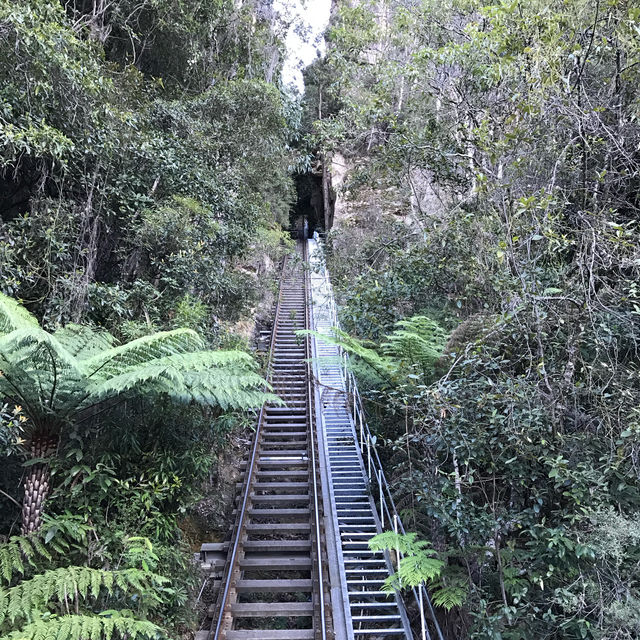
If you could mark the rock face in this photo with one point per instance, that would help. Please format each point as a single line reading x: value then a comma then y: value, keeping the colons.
x: 356, y: 205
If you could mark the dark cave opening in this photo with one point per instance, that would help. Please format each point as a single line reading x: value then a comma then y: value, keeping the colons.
x: 308, y: 214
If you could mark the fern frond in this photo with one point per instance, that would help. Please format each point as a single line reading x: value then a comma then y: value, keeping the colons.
x: 38, y: 345
x: 86, y: 627
x: 14, y: 552
x: 418, y: 340
x: 449, y: 596
x: 418, y: 568
x: 14, y: 316
x: 114, y: 361
x: 10, y: 561
x: 37, y: 370
x: 73, y: 584
x: 418, y: 564
x: 56, y: 376
x: 84, y: 342
x: 226, y: 379
x: 369, y: 364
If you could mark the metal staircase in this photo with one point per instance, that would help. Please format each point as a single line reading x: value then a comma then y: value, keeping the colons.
x: 372, y: 612
x: 356, y: 482
x: 297, y: 564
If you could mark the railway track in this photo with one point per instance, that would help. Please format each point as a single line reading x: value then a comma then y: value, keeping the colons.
x: 274, y: 586
x: 297, y: 565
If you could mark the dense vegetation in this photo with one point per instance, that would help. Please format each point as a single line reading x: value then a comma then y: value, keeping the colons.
x: 487, y: 154
x: 138, y: 224
x: 485, y: 248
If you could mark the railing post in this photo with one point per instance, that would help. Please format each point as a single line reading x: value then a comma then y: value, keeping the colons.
x: 381, y: 504
x: 422, y: 618
x: 395, y: 529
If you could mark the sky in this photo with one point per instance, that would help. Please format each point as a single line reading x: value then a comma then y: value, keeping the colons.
x: 304, y: 39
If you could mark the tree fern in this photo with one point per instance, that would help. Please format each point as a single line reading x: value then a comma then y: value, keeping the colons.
x: 417, y: 564
x: 57, y: 376
x: 41, y: 606
x: 138, y: 352
x: 226, y: 379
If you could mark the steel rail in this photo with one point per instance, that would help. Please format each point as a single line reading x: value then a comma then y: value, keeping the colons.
x: 250, y: 470
x: 312, y: 436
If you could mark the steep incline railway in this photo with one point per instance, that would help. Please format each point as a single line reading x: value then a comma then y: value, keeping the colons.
x: 273, y: 585
x: 297, y: 564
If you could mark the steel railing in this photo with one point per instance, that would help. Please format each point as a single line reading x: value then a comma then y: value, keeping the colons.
x: 312, y: 439
x: 388, y: 512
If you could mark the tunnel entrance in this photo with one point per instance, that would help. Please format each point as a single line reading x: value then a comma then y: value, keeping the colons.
x: 308, y: 215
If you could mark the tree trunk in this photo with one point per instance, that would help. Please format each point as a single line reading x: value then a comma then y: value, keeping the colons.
x: 326, y: 195
x: 37, y: 483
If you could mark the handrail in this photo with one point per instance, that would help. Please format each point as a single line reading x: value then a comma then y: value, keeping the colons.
x: 250, y: 468
x: 375, y: 469
x: 312, y: 436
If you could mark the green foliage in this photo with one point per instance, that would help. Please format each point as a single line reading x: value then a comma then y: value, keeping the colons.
x: 133, y: 144
x: 135, y: 121
x: 18, y: 551
x: 417, y: 342
x: 55, y: 376
x: 481, y: 188
x: 11, y: 430
x: 449, y: 596
x: 417, y: 563
x: 61, y: 376
x: 412, y: 349
x: 73, y: 600
x: 14, y: 316
x: 111, y: 624
x: 67, y: 585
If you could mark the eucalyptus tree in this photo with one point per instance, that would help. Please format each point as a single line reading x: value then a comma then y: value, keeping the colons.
x: 67, y: 377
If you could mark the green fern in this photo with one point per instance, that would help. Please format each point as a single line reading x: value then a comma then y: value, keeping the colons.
x: 416, y: 341
x: 57, y: 377
x: 418, y: 564
x: 16, y: 552
x: 84, y: 342
x: 368, y: 365
x: 110, y: 625
x: 449, y: 596
x: 14, y: 316
x: 39, y: 607
x: 71, y: 585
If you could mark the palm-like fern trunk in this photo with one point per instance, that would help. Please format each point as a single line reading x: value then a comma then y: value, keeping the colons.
x: 37, y: 483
